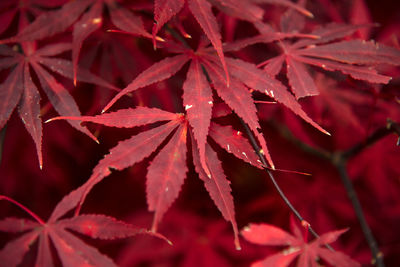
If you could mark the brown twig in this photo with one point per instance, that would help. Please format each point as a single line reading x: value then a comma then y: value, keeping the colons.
x: 391, y: 127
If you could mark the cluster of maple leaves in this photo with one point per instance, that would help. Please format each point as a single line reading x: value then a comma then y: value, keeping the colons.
x: 189, y: 77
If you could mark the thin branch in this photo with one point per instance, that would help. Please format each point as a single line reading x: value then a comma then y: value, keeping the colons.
x: 391, y: 127
x: 339, y: 160
x: 377, y: 255
x: 257, y: 149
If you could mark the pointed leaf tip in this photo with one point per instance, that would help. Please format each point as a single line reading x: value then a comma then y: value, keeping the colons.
x: 158, y: 235
x: 40, y: 157
x: 94, y: 138
x: 309, y: 14
x: 50, y: 120
x: 237, y: 243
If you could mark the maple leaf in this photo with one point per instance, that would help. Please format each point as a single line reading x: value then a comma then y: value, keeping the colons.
x: 85, y: 23
x: 202, y: 11
x: 9, y: 10
x: 70, y: 249
x: 308, y: 253
x: 245, y: 10
x: 357, y: 58
x: 61, y: 19
x: 19, y: 89
x: 167, y: 171
x: 120, y: 16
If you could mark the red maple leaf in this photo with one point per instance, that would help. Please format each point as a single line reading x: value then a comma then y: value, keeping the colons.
x: 202, y: 11
x: 25, y: 8
x: 70, y: 249
x: 19, y: 90
x: 85, y: 23
x: 357, y: 58
x: 297, y: 246
x: 167, y: 171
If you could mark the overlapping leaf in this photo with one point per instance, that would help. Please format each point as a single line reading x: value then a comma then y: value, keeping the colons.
x: 9, y: 9
x: 70, y: 249
x: 245, y: 10
x: 240, y: 100
x: 356, y: 58
x: 92, y: 20
x: 202, y: 11
x: 61, y: 19
x: 19, y: 90
x: 85, y: 23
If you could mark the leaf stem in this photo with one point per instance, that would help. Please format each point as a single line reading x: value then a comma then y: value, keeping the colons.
x: 37, y: 218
